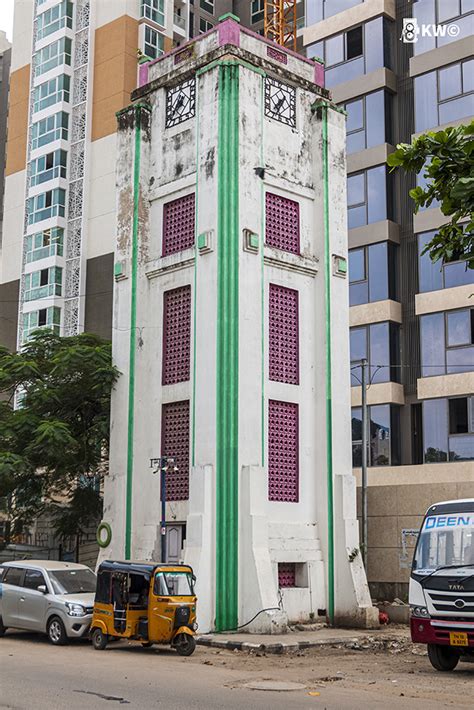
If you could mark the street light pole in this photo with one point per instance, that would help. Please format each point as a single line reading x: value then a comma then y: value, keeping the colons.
x: 164, y: 464
x: 364, y: 460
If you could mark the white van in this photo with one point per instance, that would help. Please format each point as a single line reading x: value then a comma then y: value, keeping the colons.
x: 56, y: 598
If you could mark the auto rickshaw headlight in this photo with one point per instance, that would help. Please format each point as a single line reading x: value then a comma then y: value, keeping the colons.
x: 75, y: 609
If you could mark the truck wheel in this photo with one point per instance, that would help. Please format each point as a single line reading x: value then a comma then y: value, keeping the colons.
x: 56, y: 631
x: 99, y: 639
x: 443, y: 658
x: 2, y: 627
x: 185, y: 644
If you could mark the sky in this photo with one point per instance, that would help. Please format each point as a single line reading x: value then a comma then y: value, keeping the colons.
x: 6, y: 16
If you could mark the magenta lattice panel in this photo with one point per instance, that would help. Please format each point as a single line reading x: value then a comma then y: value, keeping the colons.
x: 283, y: 451
x: 175, y: 443
x: 176, y: 335
x: 178, y: 224
x: 283, y: 335
x: 286, y: 574
x: 278, y: 56
x: 282, y: 223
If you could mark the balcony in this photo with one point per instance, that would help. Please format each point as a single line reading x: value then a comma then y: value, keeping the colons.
x: 44, y: 252
x: 43, y: 292
x: 179, y: 22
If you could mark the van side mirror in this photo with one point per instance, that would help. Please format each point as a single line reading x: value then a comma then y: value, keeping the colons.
x: 42, y: 588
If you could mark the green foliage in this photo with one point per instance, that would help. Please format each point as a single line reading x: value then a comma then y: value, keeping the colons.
x: 54, y: 446
x: 446, y: 158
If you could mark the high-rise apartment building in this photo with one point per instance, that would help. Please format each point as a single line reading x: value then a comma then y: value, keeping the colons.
x: 412, y: 319
x: 73, y: 66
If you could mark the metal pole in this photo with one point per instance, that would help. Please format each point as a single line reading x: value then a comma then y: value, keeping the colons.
x: 164, y: 464
x: 364, y: 460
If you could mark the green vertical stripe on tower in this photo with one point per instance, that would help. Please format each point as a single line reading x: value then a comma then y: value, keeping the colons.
x: 329, y: 437
x: 133, y: 334
x: 227, y: 408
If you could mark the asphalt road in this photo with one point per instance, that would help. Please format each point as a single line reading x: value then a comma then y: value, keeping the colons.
x: 34, y: 674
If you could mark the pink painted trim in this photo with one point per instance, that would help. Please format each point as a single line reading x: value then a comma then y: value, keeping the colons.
x: 229, y: 32
x: 273, y: 44
x: 143, y: 74
x: 319, y: 74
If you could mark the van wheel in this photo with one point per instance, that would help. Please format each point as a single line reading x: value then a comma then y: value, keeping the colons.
x: 56, y: 631
x: 185, y: 644
x: 2, y: 627
x: 99, y: 639
x: 443, y: 658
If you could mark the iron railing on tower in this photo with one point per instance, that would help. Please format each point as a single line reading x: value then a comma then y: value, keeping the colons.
x: 280, y: 22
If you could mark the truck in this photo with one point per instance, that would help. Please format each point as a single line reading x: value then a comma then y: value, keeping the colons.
x: 441, y: 590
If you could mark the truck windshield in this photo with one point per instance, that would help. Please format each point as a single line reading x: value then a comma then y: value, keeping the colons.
x: 445, y: 540
x: 178, y: 584
x: 73, y: 581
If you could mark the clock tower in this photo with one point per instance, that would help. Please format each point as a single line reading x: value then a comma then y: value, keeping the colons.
x: 231, y: 334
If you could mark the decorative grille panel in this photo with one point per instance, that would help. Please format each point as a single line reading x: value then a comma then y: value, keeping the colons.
x: 286, y: 574
x: 283, y: 335
x: 283, y: 451
x: 175, y: 443
x: 178, y: 224
x: 176, y: 335
x: 282, y: 223
x: 280, y: 101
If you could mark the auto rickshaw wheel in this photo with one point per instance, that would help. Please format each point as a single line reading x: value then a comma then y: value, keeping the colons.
x: 99, y: 639
x: 147, y: 644
x: 184, y: 644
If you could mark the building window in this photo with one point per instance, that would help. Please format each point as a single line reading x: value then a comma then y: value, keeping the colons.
x: 44, y: 318
x: 379, y: 344
x: 46, y: 205
x: 355, y: 52
x: 282, y: 223
x: 175, y: 444
x: 43, y: 283
x: 368, y: 197
x: 283, y: 451
x: 50, y: 129
x: 256, y: 11
x: 176, y: 335
x: 43, y: 244
x: 448, y: 429
x: 369, y: 120
x: 154, y: 10
x: 442, y: 12
x: 286, y: 574
x: 204, y: 25
x: 438, y: 275
x: 54, y: 19
x: 373, y: 273
x: 53, y: 55
x: 48, y: 167
x: 207, y: 5
x: 154, y: 45
x: 318, y: 10
x: 51, y: 92
x: 283, y: 335
x: 447, y: 342
x: 444, y: 95
x: 383, y: 445
x: 178, y: 224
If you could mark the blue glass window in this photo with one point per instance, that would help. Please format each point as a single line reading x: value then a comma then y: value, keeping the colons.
x: 444, y: 95
x: 448, y: 429
x: 447, y: 342
x: 367, y: 197
x: 383, y: 436
x: 368, y: 121
x: 373, y: 273
x: 434, y: 276
x: 442, y: 12
x: 378, y: 343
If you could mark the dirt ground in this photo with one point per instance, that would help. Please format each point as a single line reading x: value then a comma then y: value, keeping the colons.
x: 392, y: 669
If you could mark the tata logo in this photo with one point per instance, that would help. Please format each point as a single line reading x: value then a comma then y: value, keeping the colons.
x: 459, y: 603
x: 456, y: 587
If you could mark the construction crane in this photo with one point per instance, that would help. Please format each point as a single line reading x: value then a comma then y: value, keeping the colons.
x: 280, y: 22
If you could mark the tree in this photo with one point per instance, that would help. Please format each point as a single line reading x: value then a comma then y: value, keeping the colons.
x: 54, y: 445
x: 446, y: 157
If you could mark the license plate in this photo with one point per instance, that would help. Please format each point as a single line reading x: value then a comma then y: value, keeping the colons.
x: 458, y: 638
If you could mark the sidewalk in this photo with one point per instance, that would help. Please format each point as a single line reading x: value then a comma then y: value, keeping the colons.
x: 300, y: 640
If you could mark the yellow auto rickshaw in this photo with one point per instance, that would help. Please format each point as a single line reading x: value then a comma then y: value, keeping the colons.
x: 146, y: 602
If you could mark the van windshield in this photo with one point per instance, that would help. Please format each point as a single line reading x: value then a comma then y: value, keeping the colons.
x: 178, y: 584
x: 73, y: 581
x: 445, y: 540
